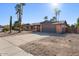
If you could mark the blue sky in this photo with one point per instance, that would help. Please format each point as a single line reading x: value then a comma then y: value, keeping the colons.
x: 35, y: 12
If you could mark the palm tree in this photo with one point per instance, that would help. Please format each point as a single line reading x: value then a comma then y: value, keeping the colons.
x: 57, y: 13
x: 53, y: 19
x: 10, y: 24
x: 46, y: 17
x: 19, y: 12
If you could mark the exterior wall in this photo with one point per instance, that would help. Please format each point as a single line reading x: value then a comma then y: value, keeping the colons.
x: 30, y: 28
x: 60, y: 28
x: 36, y: 28
x: 47, y: 27
x: 40, y: 27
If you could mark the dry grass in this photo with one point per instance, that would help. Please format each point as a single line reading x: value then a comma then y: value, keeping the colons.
x: 54, y: 46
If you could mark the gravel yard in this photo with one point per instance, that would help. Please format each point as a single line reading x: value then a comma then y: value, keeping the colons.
x: 54, y: 45
x: 40, y: 44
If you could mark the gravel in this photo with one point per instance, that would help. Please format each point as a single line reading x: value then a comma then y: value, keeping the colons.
x: 67, y: 45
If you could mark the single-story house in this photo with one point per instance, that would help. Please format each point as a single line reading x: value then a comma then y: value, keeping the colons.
x: 48, y: 26
x: 1, y: 28
x: 54, y: 27
x: 26, y: 27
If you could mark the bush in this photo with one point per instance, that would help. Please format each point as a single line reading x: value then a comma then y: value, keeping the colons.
x: 5, y: 29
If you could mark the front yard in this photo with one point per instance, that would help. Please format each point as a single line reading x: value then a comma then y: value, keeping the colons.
x: 54, y: 45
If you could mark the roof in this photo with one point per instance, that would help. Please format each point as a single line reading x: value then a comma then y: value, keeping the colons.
x: 1, y: 26
x: 26, y: 24
x: 35, y: 23
x: 56, y: 22
x: 47, y: 21
x: 60, y: 22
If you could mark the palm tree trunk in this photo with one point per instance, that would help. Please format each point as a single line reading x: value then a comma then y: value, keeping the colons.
x: 19, y: 22
x: 56, y: 15
x: 10, y: 24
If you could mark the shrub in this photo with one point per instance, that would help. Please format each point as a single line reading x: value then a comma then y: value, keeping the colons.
x: 5, y: 29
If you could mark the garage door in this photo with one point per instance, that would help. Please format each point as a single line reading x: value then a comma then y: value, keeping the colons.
x: 49, y: 28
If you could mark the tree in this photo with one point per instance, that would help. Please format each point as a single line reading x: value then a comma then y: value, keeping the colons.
x: 6, y: 28
x: 46, y: 17
x: 57, y: 13
x: 19, y: 12
x: 10, y: 24
x: 73, y: 28
x: 68, y: 28
x: 77, y: 23
x: 53, y: 19
x: 16, y: 25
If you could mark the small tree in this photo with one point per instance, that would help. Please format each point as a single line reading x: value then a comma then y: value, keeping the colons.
x: 73, y: 28
x: 68, y: 28
x: 6, y: 28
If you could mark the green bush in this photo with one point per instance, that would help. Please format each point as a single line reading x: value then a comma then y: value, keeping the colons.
x: 5, y: 29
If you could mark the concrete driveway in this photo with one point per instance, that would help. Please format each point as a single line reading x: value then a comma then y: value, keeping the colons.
x: 9, y: 44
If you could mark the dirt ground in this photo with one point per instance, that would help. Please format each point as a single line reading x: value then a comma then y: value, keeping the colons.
x: 54, y: 45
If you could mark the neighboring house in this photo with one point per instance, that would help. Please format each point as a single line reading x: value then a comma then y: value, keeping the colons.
x: 48, y: 26
x: 26, y: 27
x: 1, y: 28
x: 32, y: 27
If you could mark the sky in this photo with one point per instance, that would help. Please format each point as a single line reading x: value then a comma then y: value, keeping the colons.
x: 35, y: 12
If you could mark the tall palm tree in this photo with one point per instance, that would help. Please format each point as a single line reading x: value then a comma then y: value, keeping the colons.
x: 57, y: 13
x: 19, y: 12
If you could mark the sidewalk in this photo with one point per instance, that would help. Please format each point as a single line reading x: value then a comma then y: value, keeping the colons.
x: 8, y: 49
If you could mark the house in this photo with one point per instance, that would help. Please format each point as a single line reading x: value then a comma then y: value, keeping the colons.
x: 48, y: 26
x: 54, y: 27
x: 26, y: 27
x: 36, y: 27
x: 1, y: 28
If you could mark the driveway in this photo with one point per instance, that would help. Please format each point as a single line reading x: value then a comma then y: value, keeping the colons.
x: 9, y: 44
